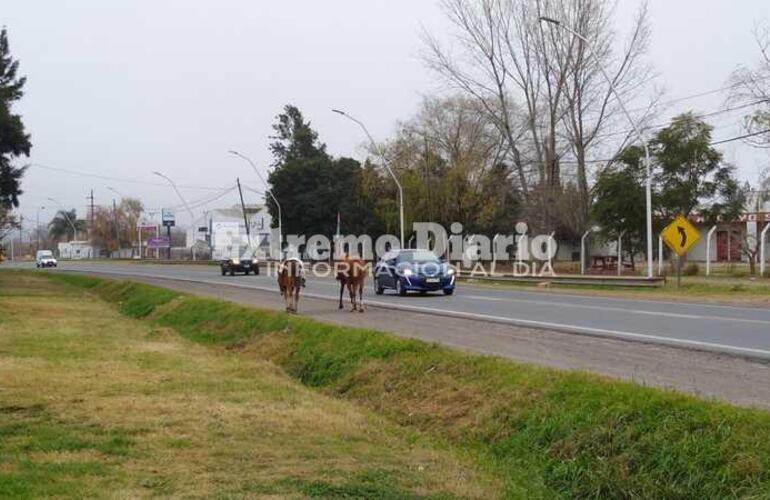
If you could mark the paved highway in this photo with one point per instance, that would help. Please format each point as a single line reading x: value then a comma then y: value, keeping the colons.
x: 737, y: 330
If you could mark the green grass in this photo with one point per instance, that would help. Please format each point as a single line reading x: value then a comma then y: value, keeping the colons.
x: 544, y: 433
x: 26, y: 431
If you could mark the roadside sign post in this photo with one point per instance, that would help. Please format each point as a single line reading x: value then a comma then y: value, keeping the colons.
x: 167, y: 216
x: 680, y: 236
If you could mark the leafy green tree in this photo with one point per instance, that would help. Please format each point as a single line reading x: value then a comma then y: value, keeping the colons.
x: 691, y: 175
x: 14, y: 141
x: 294, y: 139
x: 311, y: 186
x: 619, y: 207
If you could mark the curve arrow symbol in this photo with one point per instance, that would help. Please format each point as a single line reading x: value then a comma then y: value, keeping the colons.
x: 682, y: 235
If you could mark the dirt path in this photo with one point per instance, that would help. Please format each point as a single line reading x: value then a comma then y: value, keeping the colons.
x: 741, y: 381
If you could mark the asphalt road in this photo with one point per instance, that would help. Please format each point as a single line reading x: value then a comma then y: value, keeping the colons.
x: 727, y: 329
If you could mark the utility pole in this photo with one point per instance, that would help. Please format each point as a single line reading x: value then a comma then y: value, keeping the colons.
x: 117, y: 227
x: 243, y: 208
x: 91, y: 217
x: 37, y: 228
x: 270, y: 192
x: 21, y: 235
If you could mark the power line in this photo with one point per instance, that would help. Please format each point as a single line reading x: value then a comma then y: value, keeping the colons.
x: 116, y: 179
x: 699, y: 115
x: 605, y: 160
x: 696, y: 96
x: 199, y: 202
x: 745, y: 136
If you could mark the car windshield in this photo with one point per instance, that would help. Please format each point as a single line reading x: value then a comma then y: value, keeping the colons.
x: 417, y: 256
x: 45, y: 254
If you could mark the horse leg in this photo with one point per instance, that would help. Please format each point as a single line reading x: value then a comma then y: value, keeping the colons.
x: 352, y: 293
x: 361, y: 296
x: 342, y: 289
x: 296, y: 297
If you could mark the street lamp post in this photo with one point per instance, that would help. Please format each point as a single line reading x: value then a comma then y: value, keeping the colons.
x: 67, y: 217
x: 270, y: 192
x: 762, y: 253
x: 634, y: 125
x: 37, y: 229
x: 385, y: 163
x: 187, y: 207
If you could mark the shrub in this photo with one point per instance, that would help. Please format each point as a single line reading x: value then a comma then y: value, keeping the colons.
x: 691, y: 269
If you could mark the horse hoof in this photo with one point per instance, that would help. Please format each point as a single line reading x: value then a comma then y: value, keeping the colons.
x: 340, y: 307
x: 360, y: 310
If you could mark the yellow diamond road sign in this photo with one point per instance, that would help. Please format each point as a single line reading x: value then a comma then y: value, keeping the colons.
x: 680, y: 235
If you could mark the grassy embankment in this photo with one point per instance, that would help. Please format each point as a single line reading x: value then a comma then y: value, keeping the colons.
x: 96, y: 404
x: 540, y: 432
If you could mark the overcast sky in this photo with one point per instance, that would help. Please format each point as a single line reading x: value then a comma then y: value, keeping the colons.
x: 122, y: 88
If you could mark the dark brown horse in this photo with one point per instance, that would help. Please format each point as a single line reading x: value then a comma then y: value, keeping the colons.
x: 290, y: 280
x: 351, y: 273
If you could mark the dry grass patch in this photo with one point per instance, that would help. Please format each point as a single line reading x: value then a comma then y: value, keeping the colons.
x: 95, y: 404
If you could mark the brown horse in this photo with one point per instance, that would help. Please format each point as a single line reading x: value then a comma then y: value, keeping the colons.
x: 351, y: 272
x: 290, y: 280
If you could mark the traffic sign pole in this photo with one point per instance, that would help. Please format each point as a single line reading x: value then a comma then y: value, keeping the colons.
x: 680, y: 236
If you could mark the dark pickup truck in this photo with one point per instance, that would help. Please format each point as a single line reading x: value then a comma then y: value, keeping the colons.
x: 237, y: 265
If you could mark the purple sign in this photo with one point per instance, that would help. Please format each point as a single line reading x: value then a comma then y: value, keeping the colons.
x: 159, y: 242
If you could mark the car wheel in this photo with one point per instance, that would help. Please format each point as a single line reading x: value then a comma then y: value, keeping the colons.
x: 246, y: 272
x: 377, y: 288
x: 400, y: 288
x: 256, y: 271
x: 232, y: 273
x: 449, y: 291
x: 223, y: 271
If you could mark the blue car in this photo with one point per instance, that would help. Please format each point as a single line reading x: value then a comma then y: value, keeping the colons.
x: 413, y: 270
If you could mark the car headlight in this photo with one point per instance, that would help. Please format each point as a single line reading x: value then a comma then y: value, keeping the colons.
x: 236, y: 261
x: 255, y: 261
x: 450, y: 271
x: 408, y: 272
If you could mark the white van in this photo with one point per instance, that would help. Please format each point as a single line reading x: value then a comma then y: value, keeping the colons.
x: 45, y: 258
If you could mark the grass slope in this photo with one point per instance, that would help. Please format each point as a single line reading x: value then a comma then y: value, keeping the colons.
x: 544, y: 433
x: 96, y: 404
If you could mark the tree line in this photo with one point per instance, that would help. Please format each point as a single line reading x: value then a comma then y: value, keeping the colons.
x: 531, y: 131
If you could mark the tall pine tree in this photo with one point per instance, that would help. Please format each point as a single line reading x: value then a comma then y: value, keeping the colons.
x: 14, y: 141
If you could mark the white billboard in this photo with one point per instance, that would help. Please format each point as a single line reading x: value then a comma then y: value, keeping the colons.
x: 227, y: 239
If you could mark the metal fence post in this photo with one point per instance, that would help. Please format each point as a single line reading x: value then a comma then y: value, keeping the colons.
x: 708, y: 250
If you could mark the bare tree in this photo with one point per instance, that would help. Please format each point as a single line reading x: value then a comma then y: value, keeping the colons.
x: 752, y: 85
x: 451, y: 161
x: 539, y: 85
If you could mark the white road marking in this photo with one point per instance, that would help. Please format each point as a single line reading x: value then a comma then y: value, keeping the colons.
x: 619, y: 309
x: 600, y: 332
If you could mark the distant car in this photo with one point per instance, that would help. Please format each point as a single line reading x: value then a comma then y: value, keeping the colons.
x: 239, y: 265
x: 45, y: 258
x: 413, y: 270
